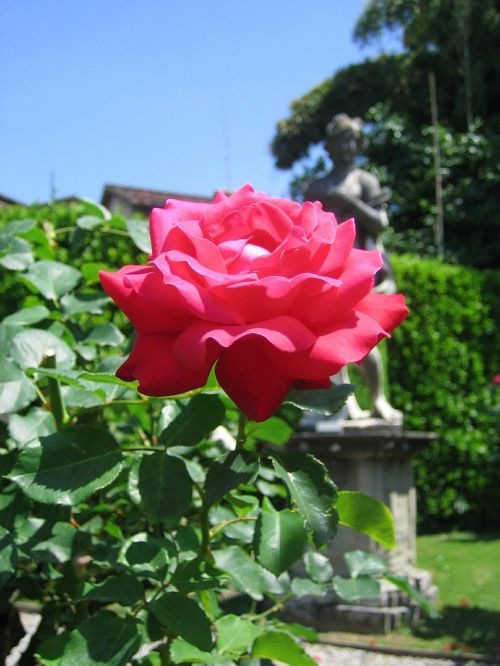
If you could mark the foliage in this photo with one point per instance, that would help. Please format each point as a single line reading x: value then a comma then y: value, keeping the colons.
x: 458, y: 42
x: 440, y: 367
x: 127, y: 521
x: 470, y: 176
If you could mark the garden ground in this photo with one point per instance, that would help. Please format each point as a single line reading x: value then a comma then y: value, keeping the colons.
x: 466, y: 569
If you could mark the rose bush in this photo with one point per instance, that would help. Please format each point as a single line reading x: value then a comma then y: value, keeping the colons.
x: 271, y: 291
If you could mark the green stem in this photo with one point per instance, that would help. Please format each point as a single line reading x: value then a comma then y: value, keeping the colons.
x: 274, y: 609
x: 242, y: 431
x: 215, y: 530
x: 56, y: 401
x: 204, y: 524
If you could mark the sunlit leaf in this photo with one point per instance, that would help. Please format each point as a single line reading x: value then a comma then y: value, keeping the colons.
x: 16, y: 390
x: 139, y: 232
x: 365, y: 514
x: 279, y: 540
x: 322, y: 401
x: 313, y: 492
x: 52, y: 279
x: 353, y: 589
x: 68, y: 466
x: 279, y: 646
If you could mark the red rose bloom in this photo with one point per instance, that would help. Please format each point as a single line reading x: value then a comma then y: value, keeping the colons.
x: 270, y: 291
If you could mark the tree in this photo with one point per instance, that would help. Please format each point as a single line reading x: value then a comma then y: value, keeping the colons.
x: 456, y: 40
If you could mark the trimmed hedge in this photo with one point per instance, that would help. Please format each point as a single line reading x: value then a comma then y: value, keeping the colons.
x: 441, y: 363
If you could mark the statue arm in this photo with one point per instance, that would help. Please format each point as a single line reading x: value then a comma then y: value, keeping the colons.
x: 366, y: 212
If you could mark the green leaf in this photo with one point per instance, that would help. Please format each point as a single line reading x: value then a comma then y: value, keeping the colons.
x: 279, y: 540
x: 69, y: 377
x: 37, y: 423
x: 16, y: 390
x: 68, y: 466
x: 15, y: 254
x: 183, y: 616
x: 182, y: 652
x: 228, y: 473
x: 322, y: 401
x: 103, y: 639
x: 146, y: 556
x: 90, y: 271
x: 353, y: 589
x: 79, y: 399
x: 97, y: 209
x: 235, y: 635
x: 123, y: 589
x: 16, y: 227
x: 27, y: 316
x: 302, y: 587
x: 103, y: 378
x: 78, y: 303
x: 12, y: 504
x: 281, y: 647
x: 364, y: 564
x: 318, y: 566
x: 30, y: 346
x: 52, y: 649
x: 51, y: 543
x: 201, y: 415
x: 89, y: 222
x: 139, y: 232
x: 245, y: 574
x: 313, y: 492
x: 8, y: 556
x: 105, y: 334
x: 274, y: 431
x: 52, y: 279
x: 307, y: 633
x: 165, y: 488
x: 367, y: 515
x: 403, y: 584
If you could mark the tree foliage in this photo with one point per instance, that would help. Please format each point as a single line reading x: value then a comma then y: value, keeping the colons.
x: 457, y: 40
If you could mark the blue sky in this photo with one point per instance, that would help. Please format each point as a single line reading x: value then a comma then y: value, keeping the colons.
x: 167, y: 94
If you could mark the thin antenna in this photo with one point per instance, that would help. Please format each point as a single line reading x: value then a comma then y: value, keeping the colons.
x: 226, y: 142
x: 52, y: 186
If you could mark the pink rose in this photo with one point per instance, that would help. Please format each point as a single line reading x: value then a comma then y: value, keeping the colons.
x: 270, y: 291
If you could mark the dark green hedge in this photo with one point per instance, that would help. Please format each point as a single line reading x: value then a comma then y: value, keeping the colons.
x: 441, y: 363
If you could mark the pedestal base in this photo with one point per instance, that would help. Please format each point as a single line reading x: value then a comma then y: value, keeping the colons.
x: 376, y: 460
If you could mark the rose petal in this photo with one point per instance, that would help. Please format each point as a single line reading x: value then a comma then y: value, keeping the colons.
x: 389, y: 310
x: 159, y: 372
x: 150, y: 306
x: 246, y: 375
x: 349, y: 342
x: 273, y: 296
x: 357, y: 281
x: 202, y: 340
x: 176, y: 212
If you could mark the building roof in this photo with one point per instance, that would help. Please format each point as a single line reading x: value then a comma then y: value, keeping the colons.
x: 8, y: 201
x: 143, y: 200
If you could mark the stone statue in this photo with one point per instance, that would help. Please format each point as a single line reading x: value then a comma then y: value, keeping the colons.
x: 349, y: 191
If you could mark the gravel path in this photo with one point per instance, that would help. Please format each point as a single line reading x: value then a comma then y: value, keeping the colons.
x: 329, y: 655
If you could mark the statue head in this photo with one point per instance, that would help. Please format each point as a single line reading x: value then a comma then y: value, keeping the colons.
x: 344, y: 138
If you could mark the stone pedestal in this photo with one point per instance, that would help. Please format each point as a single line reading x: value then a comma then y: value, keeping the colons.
x: 375, y: 458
